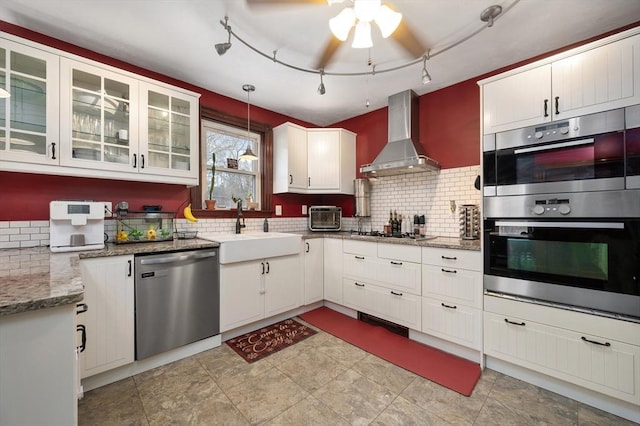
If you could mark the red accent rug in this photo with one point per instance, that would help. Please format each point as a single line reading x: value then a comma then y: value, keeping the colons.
x: 261, y: 343
x: 448, y: 370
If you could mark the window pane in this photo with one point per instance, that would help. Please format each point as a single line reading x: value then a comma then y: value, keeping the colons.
x: 231, y: 185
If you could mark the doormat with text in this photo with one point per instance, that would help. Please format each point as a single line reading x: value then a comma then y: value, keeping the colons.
x: 261, y: 343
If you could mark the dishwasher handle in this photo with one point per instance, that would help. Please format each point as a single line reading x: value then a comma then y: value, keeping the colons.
x: 174, y: 257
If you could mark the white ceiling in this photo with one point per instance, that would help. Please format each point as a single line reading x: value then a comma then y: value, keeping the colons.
x: 177, y: 37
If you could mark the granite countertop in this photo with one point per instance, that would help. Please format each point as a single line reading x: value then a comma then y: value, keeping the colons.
x: 36, y: 278
x: 439, y: 242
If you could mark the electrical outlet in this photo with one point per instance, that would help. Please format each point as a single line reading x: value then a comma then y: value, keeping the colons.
x: 278, y: 210
x: 304, y: 209
x: 108, y: 208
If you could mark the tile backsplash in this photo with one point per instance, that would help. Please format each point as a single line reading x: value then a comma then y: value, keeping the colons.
x: 427, y: 193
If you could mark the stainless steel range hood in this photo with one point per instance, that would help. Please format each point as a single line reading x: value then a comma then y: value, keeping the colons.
x: 403, y: 153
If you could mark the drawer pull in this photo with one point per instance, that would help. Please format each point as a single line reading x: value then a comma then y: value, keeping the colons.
x: 396, y: 263
x: 449, y: 271
x: 448, y: 306
x: 359, y: 285
x: 449, y: 258
x: 396, y: 294
x: 514, y: 323
x: 607, y: 344
x: 81, y: 308
x: 359, y: 257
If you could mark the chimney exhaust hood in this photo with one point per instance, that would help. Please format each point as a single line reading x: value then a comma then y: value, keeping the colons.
x: 403, y: 152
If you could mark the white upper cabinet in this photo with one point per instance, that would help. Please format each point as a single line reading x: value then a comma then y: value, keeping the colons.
x: 599, y: 79
x: 29, y: 118
x: 313, y: 161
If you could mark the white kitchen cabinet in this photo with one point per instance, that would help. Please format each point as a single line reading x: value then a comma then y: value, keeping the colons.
x: 289, y: 158
x: 332, y: 252
x: 598, y: 353
x: 313, y: 249
x: 599, y: 79
x: 452, y: 295
x: 313, y: 161
x: 109, y: 320
x: 257, y: 289
x: 29, y: 119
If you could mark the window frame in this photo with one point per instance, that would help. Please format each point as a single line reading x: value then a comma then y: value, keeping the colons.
x: 266, y: 167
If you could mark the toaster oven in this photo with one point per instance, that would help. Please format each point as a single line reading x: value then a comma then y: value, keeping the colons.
x: 325, y: 218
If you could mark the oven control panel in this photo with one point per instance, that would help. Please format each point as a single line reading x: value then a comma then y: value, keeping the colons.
x: 553, y: 206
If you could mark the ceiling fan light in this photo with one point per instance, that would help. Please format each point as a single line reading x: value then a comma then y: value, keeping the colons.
x: 388, y: 20
x: 341, y: 24
x: 362, y: 36
x: 366, y: 10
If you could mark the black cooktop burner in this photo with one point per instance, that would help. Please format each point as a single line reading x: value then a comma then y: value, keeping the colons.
x: 380, y: 234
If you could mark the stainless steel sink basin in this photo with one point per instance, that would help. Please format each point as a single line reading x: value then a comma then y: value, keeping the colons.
x: 254, y: 245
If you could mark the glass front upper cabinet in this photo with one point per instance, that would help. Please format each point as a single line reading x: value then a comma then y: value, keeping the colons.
x: 102, y: 117
x: 29, y: 117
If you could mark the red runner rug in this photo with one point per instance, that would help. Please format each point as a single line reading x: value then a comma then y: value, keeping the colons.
x: 448, y: 370
x: 258, y: 344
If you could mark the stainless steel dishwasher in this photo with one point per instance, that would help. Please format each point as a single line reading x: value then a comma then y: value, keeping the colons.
x: 177, y: 299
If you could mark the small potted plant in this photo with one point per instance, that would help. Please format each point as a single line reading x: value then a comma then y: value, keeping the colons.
x: 211, y: 203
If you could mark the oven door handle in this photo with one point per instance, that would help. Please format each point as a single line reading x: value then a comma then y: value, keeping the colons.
x: 588, y: 141
x: 581, y: 225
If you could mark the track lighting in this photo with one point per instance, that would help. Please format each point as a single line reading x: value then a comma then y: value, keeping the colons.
x: 426, y: 78
x: 321, y: 89
x: 222, y: 48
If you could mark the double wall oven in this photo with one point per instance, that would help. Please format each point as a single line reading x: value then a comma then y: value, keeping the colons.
x: 562, y: 213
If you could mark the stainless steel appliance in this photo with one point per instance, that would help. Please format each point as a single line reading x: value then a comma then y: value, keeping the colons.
x: 575, y: 155
x: 76, y: 225
x: 177, y: 299
x: 325, y: 218
x: 632, y: 140
x: 362, y: 195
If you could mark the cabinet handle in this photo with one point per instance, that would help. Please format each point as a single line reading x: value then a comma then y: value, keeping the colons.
x: 448, y: 306
x: 82, y: 329
x: 557, y: 105
x: 82, y: 308
x: 449, y: 258
x: 267, y: 267
x: 359, y: 257
x: 142, y: 161
x: 309, y: 181
x: 359, y: 285
x: 130, y: 268
x: 607, y: 344
x: 262, y: 263
x: 135, y: 161
x: 396, y: 294
x: 546, y: 107
x: 53, y: 150
x: 290, y: 179
x: 307, y: 247
x: 396, y: 263
x: 513, y: 322
x: 449, y: 271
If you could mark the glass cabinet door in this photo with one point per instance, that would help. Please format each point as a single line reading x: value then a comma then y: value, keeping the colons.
x: 101, y: 129
x: 170, y: 129
x: 29, y: 117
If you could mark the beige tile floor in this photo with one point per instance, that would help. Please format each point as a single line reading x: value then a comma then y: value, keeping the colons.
x: 320, y: 381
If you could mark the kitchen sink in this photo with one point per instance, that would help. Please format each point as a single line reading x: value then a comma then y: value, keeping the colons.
x: 257, y: 245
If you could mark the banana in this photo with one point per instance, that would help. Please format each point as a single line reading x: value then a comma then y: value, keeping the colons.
x: 188, y: 215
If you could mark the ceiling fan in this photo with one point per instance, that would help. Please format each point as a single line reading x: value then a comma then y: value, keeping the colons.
x: 359, y: 15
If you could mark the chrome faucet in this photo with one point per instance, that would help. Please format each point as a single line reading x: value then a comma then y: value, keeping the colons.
x: 238, y: 225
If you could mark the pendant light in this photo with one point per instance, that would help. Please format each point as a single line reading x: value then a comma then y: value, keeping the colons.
x: 248, y: 154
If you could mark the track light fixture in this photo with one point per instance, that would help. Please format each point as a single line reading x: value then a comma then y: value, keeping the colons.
x: 248, y: 153
x: 488, y: 15
x: 321, y: 89
x: 222, y: 48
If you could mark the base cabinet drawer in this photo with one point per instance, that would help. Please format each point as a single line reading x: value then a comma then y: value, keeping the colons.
x: 453, y: 322
x: 456, y: 285
x: 395, y: 306
x: 597, y: 363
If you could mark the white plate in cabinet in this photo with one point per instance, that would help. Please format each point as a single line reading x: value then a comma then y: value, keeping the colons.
x: 465, y: 259
x: 458, y: 285
x: 595, y: 362
x: 453, y: 322
x: 395, y: 306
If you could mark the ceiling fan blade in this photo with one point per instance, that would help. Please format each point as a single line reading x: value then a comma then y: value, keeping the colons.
x: 406, y: 37
x: 328, y: 52
x: 283, y: 2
